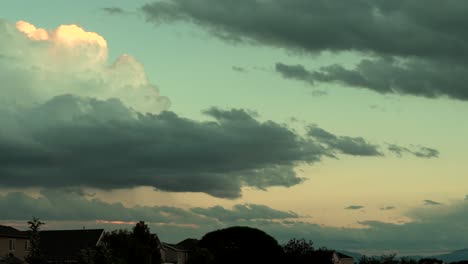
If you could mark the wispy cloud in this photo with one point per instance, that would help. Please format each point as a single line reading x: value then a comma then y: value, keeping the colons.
x: 113, y: 10
x: 431, y: 202
x: 354, y: 207
x: 239, y: 69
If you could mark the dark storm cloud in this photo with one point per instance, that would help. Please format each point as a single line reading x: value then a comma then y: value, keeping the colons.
x: 113, y: 10
x: 415, y: 51
x: 354, y: 207
x: 356, y: 146
x: 385, y: 27
x: 73, y: 141
x: 243, y: 212
x: 431, y: 202
x: 413, y: 77
x: 418, y: 151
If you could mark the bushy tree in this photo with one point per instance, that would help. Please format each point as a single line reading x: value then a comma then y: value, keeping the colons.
x: 35, y: 255
x: 138, y: 246
x: 200, y: 256
x: 298, y: 251
x: 242, y: 245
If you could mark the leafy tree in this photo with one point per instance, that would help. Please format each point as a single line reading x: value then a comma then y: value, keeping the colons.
x: 429, y: 261
x: 200, y: 256
x: 242, y: 245
x: 298, y: 250
x: 96, y: 255
x: 369, y: 260
x: 35, y: 255
x: 138, y: 246
x: 148, y: 245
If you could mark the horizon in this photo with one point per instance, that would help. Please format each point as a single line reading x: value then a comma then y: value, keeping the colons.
x: 292, y: 116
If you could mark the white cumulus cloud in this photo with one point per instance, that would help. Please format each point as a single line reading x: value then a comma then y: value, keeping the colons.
x: 37, y: 64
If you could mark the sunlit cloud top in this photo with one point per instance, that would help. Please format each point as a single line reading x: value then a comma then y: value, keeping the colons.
x: 69, y: 60
x: 69, y: 34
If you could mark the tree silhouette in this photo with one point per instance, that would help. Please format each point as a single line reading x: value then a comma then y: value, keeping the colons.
x: 35, y: 255
x: 298, y: 251
x: 242, y: 245
x: 138, y: 246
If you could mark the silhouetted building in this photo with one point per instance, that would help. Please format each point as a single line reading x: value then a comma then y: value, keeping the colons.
x: 340, y: 258
x: 173, y: 254
x: 66, y: 246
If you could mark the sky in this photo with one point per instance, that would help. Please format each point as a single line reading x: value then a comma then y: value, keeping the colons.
x: 342, y: 122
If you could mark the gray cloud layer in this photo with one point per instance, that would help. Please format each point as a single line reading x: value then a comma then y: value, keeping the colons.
x: 243, y: 212
x: 344, y: 144
x: 425, y: 78
x: 397, y: 27
x: 358, y: 146
x: 416, y: 51
x: 418, y: 151
x: 73, y: 141
x: 80, y: 122
x: 446, y: 224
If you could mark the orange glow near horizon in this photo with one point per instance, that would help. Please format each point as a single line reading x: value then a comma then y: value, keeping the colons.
x: 115, y: 222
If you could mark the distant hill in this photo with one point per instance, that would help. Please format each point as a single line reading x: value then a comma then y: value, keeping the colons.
x: 457, y: 255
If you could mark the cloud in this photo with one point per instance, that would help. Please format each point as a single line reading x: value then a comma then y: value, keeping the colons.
x: 70, y: 209
x: 418, y: 151
x: 388, y: 208
x: 431, y: 202
x: 318, y: 93
x: 367, y: 26
x: 113, y: 10
x: 70, y: 119
x: 63, y: 205
x: 74, y: 141
x: 354, y: 207
x: 44, y: 63
x: 398, y: 36
x: 71, y: 35
x: 244, y: 212
x: 356, y: 146
x: 238, y: 69
x: 417, y: 77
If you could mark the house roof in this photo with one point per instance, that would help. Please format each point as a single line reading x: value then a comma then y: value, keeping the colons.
x: 8, y: 231
x: 60, y: 245
x: 188, y: 244
x: 341, y: 255
x: 172, y: 247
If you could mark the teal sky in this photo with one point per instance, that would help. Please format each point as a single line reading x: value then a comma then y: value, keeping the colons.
x: 196, y: 70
